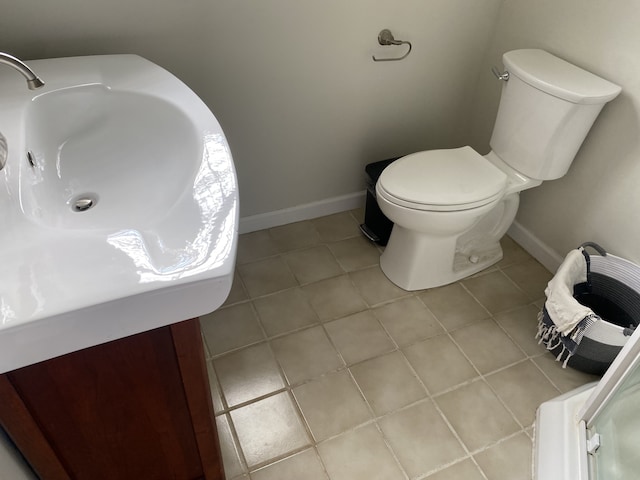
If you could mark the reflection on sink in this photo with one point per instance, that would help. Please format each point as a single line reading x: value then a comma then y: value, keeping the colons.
x: 154, y: 241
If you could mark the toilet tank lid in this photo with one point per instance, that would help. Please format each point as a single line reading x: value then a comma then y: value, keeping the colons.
x: 559, y: 78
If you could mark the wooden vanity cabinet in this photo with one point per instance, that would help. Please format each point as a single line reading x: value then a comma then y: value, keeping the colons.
x: 138, y: 408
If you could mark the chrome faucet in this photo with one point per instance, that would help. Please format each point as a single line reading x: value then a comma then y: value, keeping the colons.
x: 33, y: 81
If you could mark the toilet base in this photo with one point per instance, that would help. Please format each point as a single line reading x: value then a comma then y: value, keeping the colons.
x: 415, y: 261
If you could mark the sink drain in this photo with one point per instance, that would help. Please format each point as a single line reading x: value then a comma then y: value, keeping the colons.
x: 83, y: 203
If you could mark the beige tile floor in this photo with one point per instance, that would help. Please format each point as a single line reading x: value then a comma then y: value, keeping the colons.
x: 323, y: 369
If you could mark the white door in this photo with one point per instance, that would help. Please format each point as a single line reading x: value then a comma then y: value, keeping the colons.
x: 593, y: 433
x: 611, y: 416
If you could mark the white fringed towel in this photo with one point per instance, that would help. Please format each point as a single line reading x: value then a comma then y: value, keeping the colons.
x: 563, y: 309
x: 564, y: 321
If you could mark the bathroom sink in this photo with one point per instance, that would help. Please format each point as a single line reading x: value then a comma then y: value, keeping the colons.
x: 118, y: 205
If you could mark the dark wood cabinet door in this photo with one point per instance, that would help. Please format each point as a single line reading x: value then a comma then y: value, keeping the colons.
x: 134, y: 408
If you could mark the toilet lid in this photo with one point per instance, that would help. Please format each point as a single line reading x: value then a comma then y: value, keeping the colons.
x: 452, y: 179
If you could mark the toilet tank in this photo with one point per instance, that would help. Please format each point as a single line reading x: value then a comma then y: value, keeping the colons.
x: 546, y: 110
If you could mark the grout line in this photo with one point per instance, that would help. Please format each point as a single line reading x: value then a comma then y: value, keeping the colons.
x: 483, y: 378
x: 377, y: 426
x: 244, y: 465
x: 464, y: 287
x: 254, y: 468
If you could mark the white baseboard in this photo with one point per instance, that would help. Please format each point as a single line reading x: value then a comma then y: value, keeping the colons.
x: 536, y: 248
x: 302, y: 212
x: 527, y: 240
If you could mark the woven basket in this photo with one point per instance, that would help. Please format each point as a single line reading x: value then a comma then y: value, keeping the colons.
x: 612, y: 291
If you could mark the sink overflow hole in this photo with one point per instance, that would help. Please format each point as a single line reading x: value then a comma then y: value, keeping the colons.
x: 31, y: 158
x: 82, y: 204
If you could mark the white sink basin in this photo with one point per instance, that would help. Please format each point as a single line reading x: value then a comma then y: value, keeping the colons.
x: 134, y: 153
x: 118, y: 206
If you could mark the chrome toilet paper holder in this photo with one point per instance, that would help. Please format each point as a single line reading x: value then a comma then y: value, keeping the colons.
x: 385, y: 37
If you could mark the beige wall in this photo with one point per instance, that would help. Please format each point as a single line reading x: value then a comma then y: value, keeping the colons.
x: 599, y: 198
x: 292, y: 82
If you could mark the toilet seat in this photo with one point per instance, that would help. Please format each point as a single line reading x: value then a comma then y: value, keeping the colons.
x: 442, y: 180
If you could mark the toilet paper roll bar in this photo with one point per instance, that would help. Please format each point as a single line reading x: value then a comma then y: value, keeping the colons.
x: 385, y: 37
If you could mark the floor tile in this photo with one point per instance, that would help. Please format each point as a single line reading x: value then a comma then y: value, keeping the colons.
x: 388, y: 383
x: 522, y: 388
x: 312, y: 264
x: 237, y: 293
x: 216, y: 397
x: 269, y: 429
x: 565, y: 379
x: 439, y: 363
x: 509, y: 459
x: 453, y: 306
x: 306, y: 354
x: 530, y: 432
x: 266, y: 276
x: 490, y: 269
x: 530, y: 276
x: 465, y: 470
x: 358, y: 214
x: 231, y: 327
x: 255, y: 246
x: 496, y: 292
x: 336, y: 227
x: 521, y: 325
x: 331, y: 405
x: 407, y: 320
x: 477, y: 415
x: 285, y: 311
x: 358, y: 337
x: 233, y: 465
x: 511, y: 252
x: 304, y: 465
x: 359, y: 455
x: 420, y: 438
x: 355, y: 253
x: 375, y: 287
x: 487, y: 346
x: 247, y: 374
x: 295, y: 235
x: 334, y: 297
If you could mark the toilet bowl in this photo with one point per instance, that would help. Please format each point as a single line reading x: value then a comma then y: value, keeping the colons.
x: 450, y: 208
x: 431, y: 211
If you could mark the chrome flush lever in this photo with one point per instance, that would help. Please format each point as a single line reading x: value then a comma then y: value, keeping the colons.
x: 500, y: 76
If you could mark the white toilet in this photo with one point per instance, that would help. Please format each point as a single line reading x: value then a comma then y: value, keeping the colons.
x: 451, y: 207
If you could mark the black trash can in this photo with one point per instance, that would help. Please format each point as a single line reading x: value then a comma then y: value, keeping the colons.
x: 376, y: 227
